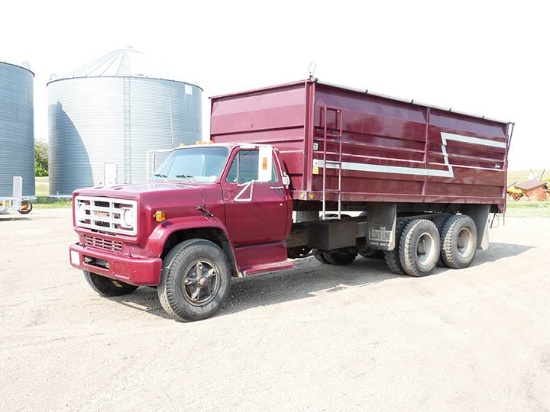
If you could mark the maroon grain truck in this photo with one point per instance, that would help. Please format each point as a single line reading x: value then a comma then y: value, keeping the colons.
x: 296, y: 170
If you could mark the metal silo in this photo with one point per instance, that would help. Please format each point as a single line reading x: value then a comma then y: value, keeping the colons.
x: 104, y: 120
x: 16, y: 128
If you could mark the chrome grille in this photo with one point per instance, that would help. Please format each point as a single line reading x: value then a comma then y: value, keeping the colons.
x: 106, y: 214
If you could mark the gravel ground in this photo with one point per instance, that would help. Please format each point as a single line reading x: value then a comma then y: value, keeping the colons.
x: 315, y: 338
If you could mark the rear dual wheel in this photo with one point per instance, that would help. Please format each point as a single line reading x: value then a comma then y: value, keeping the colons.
x: 416, y: 249
x: 458, y: 241
x: 419, y: 247
x: 439, y: 222
x: 448, y: 240
x: 392, y: 256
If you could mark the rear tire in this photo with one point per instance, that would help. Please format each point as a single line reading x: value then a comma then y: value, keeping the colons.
x: 320, y: 256
x: 367, y: 252
x: 195, y: 281
x: 439, y: 222
x: 419, y: 247
x: 340, y: 257
x: 459, y: 241
x: 108, y: 287
x: 392, y: 256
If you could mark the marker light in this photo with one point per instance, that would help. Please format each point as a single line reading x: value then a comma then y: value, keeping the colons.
x: 160, y: 216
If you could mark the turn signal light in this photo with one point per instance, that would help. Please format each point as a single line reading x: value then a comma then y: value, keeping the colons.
x: 160, y: 216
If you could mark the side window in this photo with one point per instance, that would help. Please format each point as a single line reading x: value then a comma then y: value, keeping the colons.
x: 244, y: 168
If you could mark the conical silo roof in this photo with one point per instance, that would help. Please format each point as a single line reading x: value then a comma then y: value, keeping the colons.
x: 117, y: 63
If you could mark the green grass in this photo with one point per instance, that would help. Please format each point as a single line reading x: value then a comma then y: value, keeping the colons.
x: 41, y: 186
x: 43, y: 200
x: 528, y: 208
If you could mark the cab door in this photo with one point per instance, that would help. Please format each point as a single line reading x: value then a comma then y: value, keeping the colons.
x: 256, y: 211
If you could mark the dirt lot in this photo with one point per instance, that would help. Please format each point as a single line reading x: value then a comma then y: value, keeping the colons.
x: 316, y: 338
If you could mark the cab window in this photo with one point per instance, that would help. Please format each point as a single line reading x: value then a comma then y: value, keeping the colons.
x: 244, y: 168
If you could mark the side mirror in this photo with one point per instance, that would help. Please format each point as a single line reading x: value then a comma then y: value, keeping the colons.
x: 286, y: 179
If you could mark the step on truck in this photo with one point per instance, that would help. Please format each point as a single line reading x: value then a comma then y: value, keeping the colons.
x: 293, y: 171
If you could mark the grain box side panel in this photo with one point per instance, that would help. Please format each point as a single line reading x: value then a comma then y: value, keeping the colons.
x: 473, y: 152
x: 392, y: 150
x: 383, y: 146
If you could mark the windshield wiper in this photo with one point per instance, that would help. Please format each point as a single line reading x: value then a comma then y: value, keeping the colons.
x: 187, y: 177
x: 160, y: 175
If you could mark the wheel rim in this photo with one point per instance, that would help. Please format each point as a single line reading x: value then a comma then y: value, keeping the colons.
x: 425, y: 249
x: 201, y: 283
x: 464, y: 242
x: 26, y: 207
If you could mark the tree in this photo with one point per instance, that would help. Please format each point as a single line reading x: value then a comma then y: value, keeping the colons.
x: 40, y: 158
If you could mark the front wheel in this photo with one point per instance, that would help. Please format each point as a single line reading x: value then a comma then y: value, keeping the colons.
x: 108, y: 287
x: 195, y: 281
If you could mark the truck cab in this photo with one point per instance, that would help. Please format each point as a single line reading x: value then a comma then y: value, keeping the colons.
x: 211, y: 211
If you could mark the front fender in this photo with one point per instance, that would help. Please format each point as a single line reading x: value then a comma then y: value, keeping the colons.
x: 162, y: 233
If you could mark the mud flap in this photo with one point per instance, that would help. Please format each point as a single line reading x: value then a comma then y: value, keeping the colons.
x: 381, y: 218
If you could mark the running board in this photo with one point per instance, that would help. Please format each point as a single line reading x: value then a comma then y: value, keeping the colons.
x: 268, y: 267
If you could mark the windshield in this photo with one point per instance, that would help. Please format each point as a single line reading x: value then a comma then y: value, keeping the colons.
x: 194, y: 164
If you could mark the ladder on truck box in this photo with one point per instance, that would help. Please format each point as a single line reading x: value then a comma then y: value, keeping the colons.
x: 332, y: 133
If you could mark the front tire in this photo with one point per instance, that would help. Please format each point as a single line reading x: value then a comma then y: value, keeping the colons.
x: 195, y: 281
x: 108, y: 287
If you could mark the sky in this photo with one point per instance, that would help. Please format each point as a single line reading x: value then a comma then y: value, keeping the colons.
x: 482, y: 57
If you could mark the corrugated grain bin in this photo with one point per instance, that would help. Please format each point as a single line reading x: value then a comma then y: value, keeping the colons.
x: 16, y: 128
x: 103, y: 125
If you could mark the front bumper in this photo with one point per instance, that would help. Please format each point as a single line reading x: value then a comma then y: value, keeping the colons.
x: 133, y: 270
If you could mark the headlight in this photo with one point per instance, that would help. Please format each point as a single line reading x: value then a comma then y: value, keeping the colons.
x: 128, y: 218
x: 80, y: 212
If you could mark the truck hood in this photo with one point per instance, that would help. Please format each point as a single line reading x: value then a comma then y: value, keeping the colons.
x: 132, y: 191
x: 178, y: 198
x: 168, y: 195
